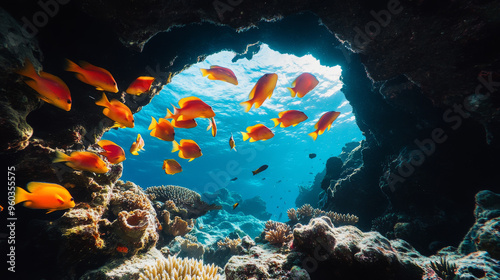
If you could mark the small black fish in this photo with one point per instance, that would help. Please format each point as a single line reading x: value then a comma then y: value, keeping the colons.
x: 234, y: 179
x: 263, y: 178
x: 281, y: 214
x: 281, y: 198
x: 279, y: 181
x: 310, y: 173
x: 312, y: 155
x: 289, y: 191
x: 260, y: 169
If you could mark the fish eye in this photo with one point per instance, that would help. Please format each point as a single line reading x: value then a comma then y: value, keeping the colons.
x: 72, y: 199
x: 69, y: 101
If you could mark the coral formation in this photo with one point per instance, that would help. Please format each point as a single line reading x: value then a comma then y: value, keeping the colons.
x: 177, y: 226
x: 174, y: 268
x: 306, y: 212
x: 444, y: 268
x: 231, y: 244
x: 292, y: 215
x: 277, y: 233
x: 185, y: 247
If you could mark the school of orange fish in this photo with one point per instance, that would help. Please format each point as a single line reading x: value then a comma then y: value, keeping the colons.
x: 53, y: 90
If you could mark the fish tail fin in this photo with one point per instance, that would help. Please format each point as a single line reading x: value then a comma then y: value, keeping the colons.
x: 61, y: 157
x: 253, y: 172
x: 292, y: 91
x: 28, y: 70
x: 234, y: 148
x: 135, y: 153
x: 104, y: 102
x: 72, y: 67
x: 245, y: 136
x: 276, y: 122
x: 204, y: 72
x: 153, y: 123
x: 20, y: 195
x: 247, y: 105
x: 175, y: 147
x: 314, y: 135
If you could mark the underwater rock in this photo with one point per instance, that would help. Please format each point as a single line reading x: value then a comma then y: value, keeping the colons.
x: 256, y: 207
x: 484, y: 235
x: 253, y: 206
x: 310, y: 194
x: 219, y: 253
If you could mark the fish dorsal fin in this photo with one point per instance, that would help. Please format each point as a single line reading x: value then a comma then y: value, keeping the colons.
x: 54, y: 78
x: 295, y: 82
x: 188, y: 99
x: 87, y: 66
x: 106, y: 143
x: 37, y: 186
x: 146, y: 78
x: 118, y: 103
x: 253, y: 128
x: 215, y: 66
x: 282, y: 113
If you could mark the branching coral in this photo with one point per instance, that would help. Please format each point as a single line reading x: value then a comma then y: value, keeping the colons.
x: 292, y: 215
x: 180, y: 269
x: 342, y: 219
x: 307, y: 212
x: 176, y: 227
x: 278, y: 233
x: 191, y: 249
x: 183, y: 198
x: 231, y: 244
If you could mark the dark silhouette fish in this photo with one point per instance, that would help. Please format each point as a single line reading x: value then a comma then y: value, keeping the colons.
x: 234, y: 179
x: 281, y: 214
x: 312, y: 155
x: 260, y: 169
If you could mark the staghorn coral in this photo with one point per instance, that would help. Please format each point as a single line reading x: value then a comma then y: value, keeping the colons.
x: 342, y: 219
x: 183, y: 198
x: 231, y: 244
x: 278, y: 233
x: 292, y: 215
x: 177, y: 226
x: 174, y: 268
x: 305, y: 212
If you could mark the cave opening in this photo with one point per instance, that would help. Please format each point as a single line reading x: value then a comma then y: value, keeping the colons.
x: 288, y: 154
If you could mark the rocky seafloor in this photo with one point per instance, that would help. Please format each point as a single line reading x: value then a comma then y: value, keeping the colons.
x: 423, y: 84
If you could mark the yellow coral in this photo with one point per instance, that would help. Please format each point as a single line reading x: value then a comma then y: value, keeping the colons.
x: 174, y: 268
x: 231, y: 244
x: 278, y: 233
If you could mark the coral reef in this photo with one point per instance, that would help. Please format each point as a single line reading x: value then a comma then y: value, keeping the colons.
x: 231, y: 244
x: 277, y: 233
x: 306, y: 212
x: 180, y: 269
x: 185, y: 247
x: 177, y: 226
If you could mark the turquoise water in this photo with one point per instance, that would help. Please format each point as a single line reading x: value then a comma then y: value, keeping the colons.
x: 286, y: 154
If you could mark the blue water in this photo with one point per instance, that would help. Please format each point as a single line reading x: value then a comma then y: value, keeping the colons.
x: 286, y: 154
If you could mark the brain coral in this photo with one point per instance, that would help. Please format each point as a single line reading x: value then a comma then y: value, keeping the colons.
x: 174, y: 268
x: 183, y: 198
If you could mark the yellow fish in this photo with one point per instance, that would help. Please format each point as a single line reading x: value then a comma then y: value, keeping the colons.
x: 262, y: 90
x: 171, y: 166
x: 116, y: 111
x: 137, y: 146
x: 232, y: 144
x: 48, y: 196
x: 86, y: 161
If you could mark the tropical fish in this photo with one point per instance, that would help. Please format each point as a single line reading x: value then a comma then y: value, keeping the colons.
x: 213, y: 126
x: 234, y: 179
x: 162, y: 129
x: 50, y: 88
x: 86, y: 161
x: 93, y: 75
x: 281, y: 214
x: 1, y: 208
x: 303, y: 84
x: 262, y: 90
x: 140, y: 85
x: 289, y: 118
x: 232, y: 144
x: 137, y: 146
x: 171, y: 166
x: 42, y: 195
x: 257, y: 132
x: 116, y: 111
x: 188, y: 149
x: 220, y: 73
x: 122, y: 249
x: 325, y: 122
x: 312, y: 155
x: 114, y: 153
x: 235, y: 205
x: 190, y: 108
x: 184, y: 124
x: 260, y: 169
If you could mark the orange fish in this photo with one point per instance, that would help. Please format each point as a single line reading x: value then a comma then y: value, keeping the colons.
x: 86, y: 161
x: 235, y: 205
x: 213, y: 126
x: 188, y: 149
x: 137, y: 146
x: 257, y: 132
x: 262, y: 90
x: 325, y: 122
x: 232, y: 144
x: 220, y: 73
x: 289, y: 118
x: 1, y: 208
x: 162, y: 130
x: 51, y: 88
x: 116, y: 111
x: 190, y: 108
x: 184, y: 124
x: 48, y: 196
x: 303, y: 85
x: 140, y: 85
x: 93, y: 75
x: 171, y: 166
x: 114, y: 153
x: 122, y: 249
